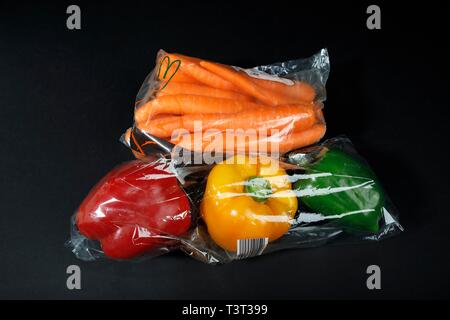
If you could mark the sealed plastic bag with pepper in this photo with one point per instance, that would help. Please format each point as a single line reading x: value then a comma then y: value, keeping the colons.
x: 239, y: 208
x: 247, y: 198
x: 311, y: 197
x: 344, y: 187
x: 136, y: 208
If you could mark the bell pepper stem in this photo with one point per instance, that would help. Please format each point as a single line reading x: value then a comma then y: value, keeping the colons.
x: 258, y: 188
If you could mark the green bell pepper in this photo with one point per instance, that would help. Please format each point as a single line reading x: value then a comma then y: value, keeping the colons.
x: 342, y: 185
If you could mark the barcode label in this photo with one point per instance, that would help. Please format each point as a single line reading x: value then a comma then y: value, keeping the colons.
x: 251, y: 247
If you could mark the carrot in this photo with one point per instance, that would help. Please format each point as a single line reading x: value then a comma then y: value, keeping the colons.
x: 300, y: 90
x: 190, y: 104
x: 161, y: 126
x: 270, y: 92
x: 208, y: 78
x: 184, y: 58
x: 221, y: 142
x: 252, y: 143
x: 201, y: 90
x: 190, y: 66
x: 287, y: 118
x: 245, y: 83
x: 301, y: 139
x: 239, y: 80
x: 170, y: 70
x: 283, y: 143
x: 228, y: 143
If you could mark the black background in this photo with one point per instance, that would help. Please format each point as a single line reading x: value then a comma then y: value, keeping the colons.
x: 66, y: 96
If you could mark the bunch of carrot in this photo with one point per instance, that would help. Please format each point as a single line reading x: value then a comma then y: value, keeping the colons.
x: 226, y: 98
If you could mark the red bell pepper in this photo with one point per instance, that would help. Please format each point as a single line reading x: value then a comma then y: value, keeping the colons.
x: 135, y: 208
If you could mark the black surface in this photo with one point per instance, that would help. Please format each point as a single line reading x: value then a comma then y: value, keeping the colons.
x: 66, y: 96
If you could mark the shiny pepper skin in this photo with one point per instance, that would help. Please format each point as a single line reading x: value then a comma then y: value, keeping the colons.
x: 247, y: 198
x: 135, y: 208
x: 341, y: 185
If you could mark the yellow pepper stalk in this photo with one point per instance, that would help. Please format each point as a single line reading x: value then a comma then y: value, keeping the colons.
x: 247, y: 198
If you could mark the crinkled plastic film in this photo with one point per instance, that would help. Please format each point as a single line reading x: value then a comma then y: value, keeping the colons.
x: 246, y: 202
x: 279, y: 104
x: 298, y: 226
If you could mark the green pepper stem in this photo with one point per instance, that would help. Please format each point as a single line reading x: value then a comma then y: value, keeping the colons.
x: 258, y: 188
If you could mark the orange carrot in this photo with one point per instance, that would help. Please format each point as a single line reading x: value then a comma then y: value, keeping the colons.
x: 208, y: 78
x: 252, y: 143
x: 299, y: 90
x: 245, y: 83
x: 201, y: 90
x: 172, y: 71
x: 191, y: 67
x: 283, y: 143
x: 288, y: 118
x: 184, y: 58
x: 232, y: 142
x: 161, y: 127
x: 190, y: 104
x: 301, y: 138
x: 239, y: 80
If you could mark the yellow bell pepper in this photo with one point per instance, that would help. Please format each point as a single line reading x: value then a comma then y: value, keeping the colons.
x: 247, y: 198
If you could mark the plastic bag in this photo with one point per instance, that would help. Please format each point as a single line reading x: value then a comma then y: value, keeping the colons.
x: 237, y: 209
x: 227, y: 170
x: 192, y: 104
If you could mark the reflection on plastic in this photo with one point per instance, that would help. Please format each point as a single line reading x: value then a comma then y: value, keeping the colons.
x: 224, y: 212
x: 207, y: 107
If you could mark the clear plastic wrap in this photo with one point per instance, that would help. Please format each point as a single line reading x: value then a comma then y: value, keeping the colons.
x: 229, y: 167
x: 239, y: 208
x: 199, y: 105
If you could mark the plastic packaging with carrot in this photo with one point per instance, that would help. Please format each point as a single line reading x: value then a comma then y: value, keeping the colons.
x: 278, y: 104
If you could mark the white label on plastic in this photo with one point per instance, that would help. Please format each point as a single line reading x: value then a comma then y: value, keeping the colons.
x: 254, y: 73
x: 251, y: 247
